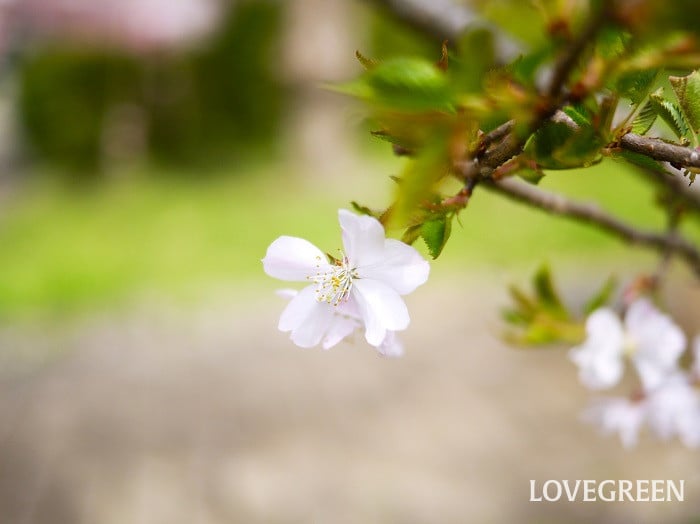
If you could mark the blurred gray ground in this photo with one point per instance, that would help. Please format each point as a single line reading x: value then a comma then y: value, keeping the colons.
x: 163, y: 416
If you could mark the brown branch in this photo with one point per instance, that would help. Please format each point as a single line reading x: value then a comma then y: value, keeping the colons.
x: 660, y: 150
x: 655, y: 148
x: 553, y: 97
x: 591, y: 214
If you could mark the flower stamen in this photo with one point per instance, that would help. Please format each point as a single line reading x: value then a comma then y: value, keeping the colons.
x: 334, y: 285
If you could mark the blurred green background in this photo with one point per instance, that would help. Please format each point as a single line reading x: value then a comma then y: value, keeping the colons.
x: 168, y: 172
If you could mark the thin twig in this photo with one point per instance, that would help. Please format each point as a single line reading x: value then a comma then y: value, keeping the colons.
x: 444, y: 20
x: 572, y: 53
x: 591, y: 214
x: 674, y: 220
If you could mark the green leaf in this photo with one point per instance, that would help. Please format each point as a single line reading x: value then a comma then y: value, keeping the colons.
x: 645, y: 119
x: 526, y: 306
x: 476, y: 56
x: 636, y: 85
x: 393, y: 139
x: 687, y: 89
x: 577, y: 115
x: 411, y: 83
x: 546, y: 141
x: 418, y: 180
x: 546, y: 293
x: 639, y: 161
x: 669, y: 113
x: 404, y: 84
x: 557, y: 146
x: 602, y: 297
x: 530, y: 175
x: 611, y: 42
x: 435, y: 233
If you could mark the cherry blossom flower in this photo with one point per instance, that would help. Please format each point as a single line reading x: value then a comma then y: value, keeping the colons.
x: 366, y: 283
x: 671, y: 409
x: 648, y: 337
x: 617, y: 415
x: 344, y: 323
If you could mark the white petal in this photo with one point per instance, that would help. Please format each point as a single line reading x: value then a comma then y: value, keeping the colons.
x: 310, y: 332
x: 306, y: 318
x: 391, y: 346
x: 349, y: 308
x: 295, y: 259
x: 381, y: 309
x: 363, y: 238
x: 599, y: 358
x: 339, y: 328
x: 617, y: 415
x: 659, y: 342
x: 674, y: 410
x: 400, y: 267
x: 303, y: 305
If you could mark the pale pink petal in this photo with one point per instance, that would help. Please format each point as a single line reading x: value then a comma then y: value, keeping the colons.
x: 300, y: 307
x: 294, y: 259
x: 400, y: 267
x: 311, y: 321
x: 674, y: 410
x: 310, y: 332
x: 363, y: 238
x: 658, y: 341
x: 391, y: 346
x: 599, y: 358
x: 339, y: 328
x: 349, y: 308
x: 381, y: 309
x: 306, y: 318
x: 617, y: 415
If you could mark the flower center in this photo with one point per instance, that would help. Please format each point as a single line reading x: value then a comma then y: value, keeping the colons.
x: 629, y: 345
x: 334, y: 285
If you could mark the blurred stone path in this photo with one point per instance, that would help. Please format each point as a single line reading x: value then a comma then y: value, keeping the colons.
x: 162, y: 416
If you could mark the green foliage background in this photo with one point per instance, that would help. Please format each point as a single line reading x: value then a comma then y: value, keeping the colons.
x: 196, y: 215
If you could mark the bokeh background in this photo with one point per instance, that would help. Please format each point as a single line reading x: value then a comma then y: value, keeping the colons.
x: 150, y: 151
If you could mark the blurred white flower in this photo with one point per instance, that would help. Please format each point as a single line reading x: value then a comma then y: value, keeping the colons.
x: 138, y: 25
x: 648, y: 337
x: 599, y: 358
x: 617, y: 415
x: 671, y: 410
x: 364, y: 283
